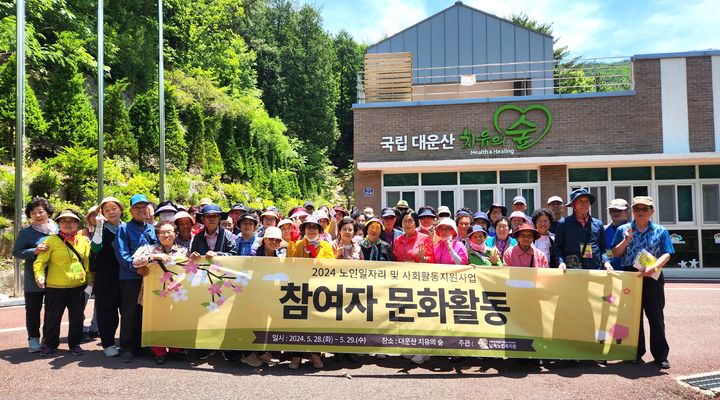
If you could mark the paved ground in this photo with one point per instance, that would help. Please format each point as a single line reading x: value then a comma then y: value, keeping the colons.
x: 692, y: 318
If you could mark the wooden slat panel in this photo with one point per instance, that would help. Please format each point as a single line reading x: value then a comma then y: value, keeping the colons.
x: 388, y: 77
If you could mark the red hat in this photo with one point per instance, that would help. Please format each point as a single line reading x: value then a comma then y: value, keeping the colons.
x: 526, y: 227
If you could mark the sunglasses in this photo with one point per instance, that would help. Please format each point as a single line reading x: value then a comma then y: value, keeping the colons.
x: 641, y: 209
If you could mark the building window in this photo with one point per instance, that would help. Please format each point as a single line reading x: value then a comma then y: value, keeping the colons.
x: 681, y: 172
x: 632, y: 174
x: 588, y: 175
x: 711, y: 203
x: 400, y: 180
x: 525, y: 176
x: 478, y: 199
x: 628, y: 192
x: 437, y: 198
x: 478, y: 178
x: 528, y: 194
x: 709, y: 171
x: 392, y: 198
x: 675, y: 204
x: 439, y: 178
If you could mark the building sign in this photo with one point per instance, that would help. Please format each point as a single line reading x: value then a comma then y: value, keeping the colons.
x: 521, y: 128
x: 369, y: 192
x: 523, y: 132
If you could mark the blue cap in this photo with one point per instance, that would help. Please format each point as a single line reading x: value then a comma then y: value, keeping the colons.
x: 475, y: 229
x: 138, y: 198
x: 482, y: 215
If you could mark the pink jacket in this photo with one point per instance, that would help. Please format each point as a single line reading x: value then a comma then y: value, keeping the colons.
x: 443, y: 255
x: 406, y: 248
x: 515, y: 257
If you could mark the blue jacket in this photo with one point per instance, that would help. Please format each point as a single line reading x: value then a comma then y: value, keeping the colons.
x: 570, y: 238
x: 24, y: 249
x: 610, y: 230
x: 130, y: 237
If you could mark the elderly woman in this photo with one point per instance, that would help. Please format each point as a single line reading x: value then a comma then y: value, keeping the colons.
x: 29, y: 243
x: 496, y: 211
x: 64, y: 271
x: 324, y: 221
x: 272, y: 245
x: 344, y: 247
x: 162, y: 253
x: 412, y: 245
x: 184, y: 223
x: 374, y: 248
x: 478, y: 252
x: 502, y: 239
x: 524, y: 254
x: 448, y: 249
x: 542, y: 219
x: 106, y: 270
x: 310, y: 246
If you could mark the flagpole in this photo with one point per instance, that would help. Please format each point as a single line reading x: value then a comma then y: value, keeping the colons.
x: 101, y: 99
x: 161, y: 100
x: 19, y: 132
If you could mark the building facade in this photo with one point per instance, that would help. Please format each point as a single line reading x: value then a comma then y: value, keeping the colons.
x: 659, y: 137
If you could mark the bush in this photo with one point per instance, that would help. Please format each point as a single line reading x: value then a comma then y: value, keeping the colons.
x: 46, y: 183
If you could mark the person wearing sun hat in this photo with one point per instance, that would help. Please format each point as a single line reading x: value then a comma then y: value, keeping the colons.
x: 448, y: 250
x: 478, y: 252
x: 495, y: 211
x: 64, y: 271
x: 524, y: 254
x: 373, y: 247
x: 212, y: 240
x: 106, y: 271
x: 632, y: 239
x: 580, y: 239
x: 310, y: 246
x: 184, y: 223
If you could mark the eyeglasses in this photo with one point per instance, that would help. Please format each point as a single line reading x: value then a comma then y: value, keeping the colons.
x: 273, y: 240
x: 166, y: 232
x: 641, y: 209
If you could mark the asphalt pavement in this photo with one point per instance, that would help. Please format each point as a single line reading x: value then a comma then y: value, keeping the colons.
x: 692, y: 320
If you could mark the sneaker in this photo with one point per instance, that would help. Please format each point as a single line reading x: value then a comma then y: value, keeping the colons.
x: 267, y: 358
x: 205, y: 354
x: 111, y: 351
x: 295, y: 363
x: 665, y: 364
x: 47, y: 351
x: 419, y: 359
x: 316, y: 361
x: 252, y: 360
x: 34, y: 345
x: 127, y: 357
x: 77, y: 350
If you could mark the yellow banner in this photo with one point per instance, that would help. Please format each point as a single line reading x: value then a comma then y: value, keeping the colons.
x: 264, y: 303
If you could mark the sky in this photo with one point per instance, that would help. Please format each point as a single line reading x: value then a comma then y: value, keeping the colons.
x: 590, y: 28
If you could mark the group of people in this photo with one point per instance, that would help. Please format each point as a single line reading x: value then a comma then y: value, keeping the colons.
x: 108, y: 258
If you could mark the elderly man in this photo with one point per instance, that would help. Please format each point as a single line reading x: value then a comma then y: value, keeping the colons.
x: 631, y: 240
x: 619, y: 214
x: 131, y: 236
x: 555, y: 205
x: 580, y: 238
x: 519, y: 204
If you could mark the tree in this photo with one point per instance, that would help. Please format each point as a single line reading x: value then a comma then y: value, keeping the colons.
x: 119, y: 140
x: 176, y: 148
x: 144, y: 120
x: 349, y: 60
x: 195, y: 125
x: 70, y: 117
